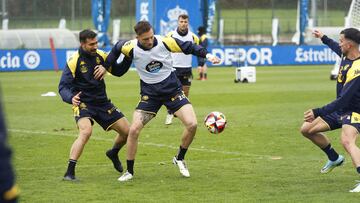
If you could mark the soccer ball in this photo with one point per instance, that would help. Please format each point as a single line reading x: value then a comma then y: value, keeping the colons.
x: 215, y: 122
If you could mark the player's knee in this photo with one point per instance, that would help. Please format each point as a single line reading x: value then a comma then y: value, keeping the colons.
x: 345, y: 141
x: 304, y: 131
x: 134, y: 132
x: 192, y: 126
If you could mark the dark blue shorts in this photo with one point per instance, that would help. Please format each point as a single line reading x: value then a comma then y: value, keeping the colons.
x: 333, y: 120
x: 167, y: 92
x: 105, y: 114
x: 351, y: 118
x: 184, y: 75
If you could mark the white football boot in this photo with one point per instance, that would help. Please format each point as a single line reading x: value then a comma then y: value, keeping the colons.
x: 182, y: 167
x: 357, y: 187
x: 169, y: 118
x: 125, y: 177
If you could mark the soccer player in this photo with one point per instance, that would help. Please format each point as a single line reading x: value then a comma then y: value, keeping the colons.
x: 202, y: 68
x: 344, y: 112
x: 182, y: 62
x: 158, y: 86
x: 83, y: 86
x: 8, y: 188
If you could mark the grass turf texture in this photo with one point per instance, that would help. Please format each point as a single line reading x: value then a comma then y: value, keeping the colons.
x: 260, y: 156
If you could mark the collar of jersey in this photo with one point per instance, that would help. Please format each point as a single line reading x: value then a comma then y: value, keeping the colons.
x: 145, y: 49
x: 182, y: 33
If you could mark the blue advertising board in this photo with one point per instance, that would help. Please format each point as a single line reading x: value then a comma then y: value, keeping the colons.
x: 41, y: 59
x: 163, y: 14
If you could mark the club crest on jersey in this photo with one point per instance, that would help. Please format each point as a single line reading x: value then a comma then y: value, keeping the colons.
x: 154, y: 66
x: 83, y: 69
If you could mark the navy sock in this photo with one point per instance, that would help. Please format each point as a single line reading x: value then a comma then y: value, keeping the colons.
x: 358, y: 169
x: 181, y: 153
x: 130, y: 166
x: 331, y: 153
x: 71, y: 167
x: 115, y: 149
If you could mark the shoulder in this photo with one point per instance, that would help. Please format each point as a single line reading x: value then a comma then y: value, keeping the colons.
x: 171, y: 33
x: 128, y: 47
x: 102, y: 53
x: 354, y: 71
x: 73, y: 61
x: 203, y: 37
x: 195, y: 37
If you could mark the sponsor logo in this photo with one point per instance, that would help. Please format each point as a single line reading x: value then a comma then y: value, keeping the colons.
x: 9, y: 61
x: 154, y: 66
x: 31, y: 59
x: 311, y: 55
x: 241, y: 56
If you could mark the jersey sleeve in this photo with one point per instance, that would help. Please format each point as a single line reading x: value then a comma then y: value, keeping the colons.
x: 121, y: 47
x: 196, y: 39
x: 65, y: 88
x: 67, y: 78
x: 332, y: 45
x: 351, y: 87
x: 176, y: 45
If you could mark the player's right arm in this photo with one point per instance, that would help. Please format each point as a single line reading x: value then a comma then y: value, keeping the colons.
x: 328, y: 41
x: 65, y: 87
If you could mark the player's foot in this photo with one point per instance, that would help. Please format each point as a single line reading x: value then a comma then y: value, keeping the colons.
x: 182, y: 167
x: 169, y: 119
x: 330, y: 165
x: 68, y: 177
x: 115, y: 160
x: 356, y: 188
x: 125, y: 177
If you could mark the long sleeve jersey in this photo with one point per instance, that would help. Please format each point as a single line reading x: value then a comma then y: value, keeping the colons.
x: 78, y: 76
x: 348, y: 84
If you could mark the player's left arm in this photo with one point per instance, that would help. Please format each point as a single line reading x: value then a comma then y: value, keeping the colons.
x: 176, y: 45
x: 351, y: 87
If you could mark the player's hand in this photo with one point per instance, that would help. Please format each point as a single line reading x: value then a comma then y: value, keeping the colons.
x: 99, y: 72
x: 309, y: 116
x: 76, y: 99
x: 317, y: 34
x: 213, y: 59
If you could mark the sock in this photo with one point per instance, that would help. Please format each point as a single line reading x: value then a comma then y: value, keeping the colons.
x: 331, y: 153
x: 358, y: 169
x: 201, y: 75
x: 130, y: 166
x: 71, y: 167
x: 181, y: 153
x: 205, y: 75
x: 115, y: 149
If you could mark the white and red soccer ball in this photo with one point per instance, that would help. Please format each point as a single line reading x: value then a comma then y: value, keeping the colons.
x: 215, y: 122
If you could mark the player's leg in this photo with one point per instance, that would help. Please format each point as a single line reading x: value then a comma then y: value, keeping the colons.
x: 187, y: 116
x: 204, y: 71
x: 314, y: 132
x: 121, y: 126
x: 140, y: 119
x: 85, y: 130
x: 349, y: 135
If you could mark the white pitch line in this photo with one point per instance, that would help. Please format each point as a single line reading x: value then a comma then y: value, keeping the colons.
x: 144, y: 163
x: 148, y: 144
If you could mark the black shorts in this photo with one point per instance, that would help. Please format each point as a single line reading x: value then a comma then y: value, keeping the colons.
x: 184, y: 75
x: 105, y: 114
x: 201, y: 61
x: 333, y: 120
x: 167, y: 92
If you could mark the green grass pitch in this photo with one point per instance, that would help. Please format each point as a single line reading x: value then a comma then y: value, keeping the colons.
x: 260, y: 157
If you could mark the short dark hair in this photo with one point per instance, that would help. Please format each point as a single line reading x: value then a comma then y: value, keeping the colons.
x: 142, y: 27
x: 86, y: 34
x: 201, y: 30
x: 183, y: 16
x: 352, y: 34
